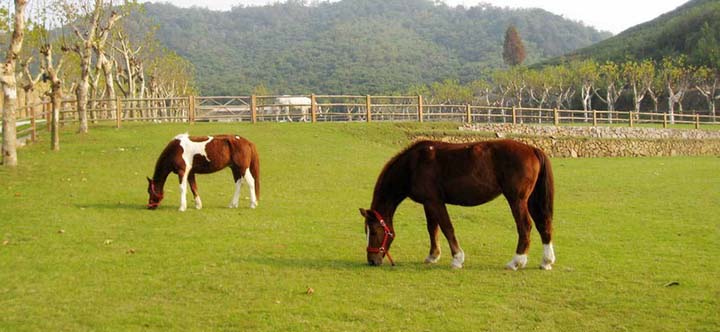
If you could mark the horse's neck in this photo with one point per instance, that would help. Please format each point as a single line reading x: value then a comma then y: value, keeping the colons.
x: 160, y: 176
x: 391, y: 189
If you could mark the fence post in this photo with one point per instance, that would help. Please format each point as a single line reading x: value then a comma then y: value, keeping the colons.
x: 514, y: 115
x: 118, y: 111
x: 420, y: 108
x: 631, y: 119
x: 556, y: 116
x: 665, y: 120
x: 594, y: 118
x: 253, y: 109
x: 191, y: 109
x: 313, y: 108
x: 468, y: 111
x: 368, y: 105
x: 697, y: 121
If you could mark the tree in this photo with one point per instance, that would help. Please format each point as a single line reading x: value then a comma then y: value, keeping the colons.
x: 706, y: 82
x: 9, y: 85
x: 677, y: 77
x: 640, y: 77
x: 611, y: 78
x: 587, y: 73
x: 513, y: 48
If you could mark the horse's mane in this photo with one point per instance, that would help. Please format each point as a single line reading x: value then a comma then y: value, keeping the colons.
x: 393, y: 162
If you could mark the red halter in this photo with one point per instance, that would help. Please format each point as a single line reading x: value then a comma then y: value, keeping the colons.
x: 388, y: 235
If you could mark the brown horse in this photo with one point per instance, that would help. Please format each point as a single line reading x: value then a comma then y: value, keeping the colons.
x: 437, y: 173
x: 189, y: 155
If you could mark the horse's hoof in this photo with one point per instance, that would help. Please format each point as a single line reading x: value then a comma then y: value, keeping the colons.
x: 253, y: 205
x: 431, y: 259
x: 182, y: 209
x: 233, y: 205
x: 546, y: 267
x: 458, y: 260
x: 518, y: 262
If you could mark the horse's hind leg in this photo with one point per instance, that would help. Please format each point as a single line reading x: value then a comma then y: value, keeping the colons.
x: 237, y: 176
x: 251, y: 184
x: 543, y: 223
x: 521, y: 214
x: 433, y: 230
x: 437, y: 212
x: 193, y: 188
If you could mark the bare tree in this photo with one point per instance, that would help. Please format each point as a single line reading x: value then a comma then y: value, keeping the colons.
x: 9, y: 85
x: 52, y: 73
x: 706, y: 82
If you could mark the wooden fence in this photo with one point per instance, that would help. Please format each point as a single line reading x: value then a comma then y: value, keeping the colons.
x: 331, y: 108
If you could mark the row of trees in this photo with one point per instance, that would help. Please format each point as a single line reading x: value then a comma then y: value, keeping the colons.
x: 81, y: 50
x: 588, y: 85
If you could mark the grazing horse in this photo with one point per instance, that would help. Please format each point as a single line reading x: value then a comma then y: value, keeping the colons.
x: 437, y: 173
x: 189, y: 155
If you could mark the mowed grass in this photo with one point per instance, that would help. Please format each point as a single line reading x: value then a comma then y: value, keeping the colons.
x: 637, y: 242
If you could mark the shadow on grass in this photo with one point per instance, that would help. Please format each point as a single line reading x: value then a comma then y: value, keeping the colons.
x: 359, y: 264
x: 112, y: 206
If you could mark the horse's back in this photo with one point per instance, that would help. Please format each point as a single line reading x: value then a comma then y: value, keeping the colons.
x: 472, y: 173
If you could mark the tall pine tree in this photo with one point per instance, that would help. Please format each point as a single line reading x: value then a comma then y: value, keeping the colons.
x: 513, y: 49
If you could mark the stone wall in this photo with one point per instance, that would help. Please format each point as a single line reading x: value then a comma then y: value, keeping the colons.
x: 600, y: 141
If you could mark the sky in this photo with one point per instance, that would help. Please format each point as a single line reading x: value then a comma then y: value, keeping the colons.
x: 608, y: 15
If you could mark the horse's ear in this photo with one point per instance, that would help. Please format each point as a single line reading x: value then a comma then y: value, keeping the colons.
x: 149, y: 179
x: 363, y: 212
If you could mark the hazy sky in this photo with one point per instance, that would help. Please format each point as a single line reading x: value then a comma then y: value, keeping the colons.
x: 610, y: 15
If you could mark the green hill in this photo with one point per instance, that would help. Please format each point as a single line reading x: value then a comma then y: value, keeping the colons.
x: 692, y: 29
x: 354, y: 46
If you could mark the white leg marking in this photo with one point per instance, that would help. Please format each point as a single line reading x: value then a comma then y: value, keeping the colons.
x: 236, y: 196
x: 251, y: 183
x: 548, y: 257
x: 518, y: 261
x: 198, y: 202
x: 458, y: 260
x: 430, y: 259
x: 183, y: 193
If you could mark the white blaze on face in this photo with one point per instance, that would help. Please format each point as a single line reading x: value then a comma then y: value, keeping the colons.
x: 367, y: 235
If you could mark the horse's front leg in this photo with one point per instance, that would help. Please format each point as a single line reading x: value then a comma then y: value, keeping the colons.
x: 193, y: 188
x: 437, y: 211
x: 183, y: 176
x: 433, y: 231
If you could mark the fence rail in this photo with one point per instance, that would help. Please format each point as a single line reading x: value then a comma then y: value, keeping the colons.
x: 333, y: 108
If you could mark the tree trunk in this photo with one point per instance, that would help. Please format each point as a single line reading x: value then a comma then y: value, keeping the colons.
x: 9, y: 86
x: 56, y: 100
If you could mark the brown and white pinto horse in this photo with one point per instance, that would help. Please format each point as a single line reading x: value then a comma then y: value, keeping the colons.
x: 437, y: 173
x: 189, y: 155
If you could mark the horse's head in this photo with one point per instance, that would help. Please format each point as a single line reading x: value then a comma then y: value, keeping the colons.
x: 379, y: 237
x: 155, y: 196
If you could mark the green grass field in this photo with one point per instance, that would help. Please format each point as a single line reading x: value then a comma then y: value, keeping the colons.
x: 637, y: 242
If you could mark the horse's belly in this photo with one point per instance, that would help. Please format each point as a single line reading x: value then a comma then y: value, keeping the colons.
x: 471, y: 199
x: 470, y: 195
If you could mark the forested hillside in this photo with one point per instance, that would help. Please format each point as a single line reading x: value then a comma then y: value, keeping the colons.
x: 692, y: 29
x: 354, y: 46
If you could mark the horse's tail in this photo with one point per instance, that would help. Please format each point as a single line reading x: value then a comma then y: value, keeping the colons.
x: 542, y: 198
x: 255, y: 169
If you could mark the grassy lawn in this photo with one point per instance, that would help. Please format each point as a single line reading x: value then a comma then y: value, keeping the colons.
x: 636, y: 242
